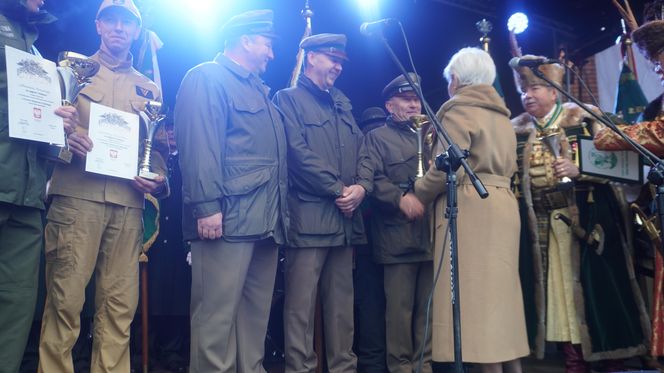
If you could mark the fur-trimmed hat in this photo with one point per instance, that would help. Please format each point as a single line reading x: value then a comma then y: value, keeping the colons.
x: 650, y: 39
x: 524, y: 77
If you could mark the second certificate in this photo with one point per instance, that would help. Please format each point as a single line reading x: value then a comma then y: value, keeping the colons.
x: 115, y: 136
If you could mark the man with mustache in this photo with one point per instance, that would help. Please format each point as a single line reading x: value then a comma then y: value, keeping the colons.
x: 584, y: 297
x: 95, y: 222
x: 22, y: 188
x: 329, y: 176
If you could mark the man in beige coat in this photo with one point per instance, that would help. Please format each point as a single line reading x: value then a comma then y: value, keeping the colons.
x: 95, y: 222
x: 492, y: 320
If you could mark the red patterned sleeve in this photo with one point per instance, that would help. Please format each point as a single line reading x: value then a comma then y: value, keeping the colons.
x: 648, y: 134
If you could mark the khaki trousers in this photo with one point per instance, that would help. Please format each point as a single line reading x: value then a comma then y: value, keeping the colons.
x: 20, y: 245
x: 305, y: 269
x: 81, y: 237
x: 407, y: 289
x: 231, y: 295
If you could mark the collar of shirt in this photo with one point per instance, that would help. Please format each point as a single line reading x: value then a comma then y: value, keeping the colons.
x: 241, y: 72
x: 112, y: 63
x: 333, y: 96
x: 402, y: 126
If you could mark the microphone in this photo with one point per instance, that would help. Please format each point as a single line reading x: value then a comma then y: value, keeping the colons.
x: 530, y: 62
x: 375, y: 27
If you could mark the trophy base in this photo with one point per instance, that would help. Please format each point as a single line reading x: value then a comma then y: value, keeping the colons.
x: 57, y: 154
x: 147, y: 175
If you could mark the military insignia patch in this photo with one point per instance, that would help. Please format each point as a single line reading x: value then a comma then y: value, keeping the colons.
x: 143, y: 92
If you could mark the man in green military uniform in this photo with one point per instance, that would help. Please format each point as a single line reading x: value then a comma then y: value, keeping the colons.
x: 233, y: 159
x: 329, y: 175
x: 400, y: 229
x: 22, y: 189
x: 585, y: 293
x: 95, y: 222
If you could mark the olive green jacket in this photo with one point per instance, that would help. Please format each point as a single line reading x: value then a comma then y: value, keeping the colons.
x: 232, y: 150
x: 393, y: 152
x: 325, y: 153
x: 22, y: 172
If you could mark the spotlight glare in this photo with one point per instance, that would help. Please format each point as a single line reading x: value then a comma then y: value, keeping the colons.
x: 517, y: 23
x: 203, y: 13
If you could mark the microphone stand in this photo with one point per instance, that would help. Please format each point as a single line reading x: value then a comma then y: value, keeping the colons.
x: 656, y: 173
x: 449, y: 162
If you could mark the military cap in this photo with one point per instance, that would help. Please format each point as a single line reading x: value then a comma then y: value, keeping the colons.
x: 331, y: 44
x: 650, y: 39
x: 253, y: 22
x: 127, y: 5
x: 399, y: 85
x: 524, y: 76
x: 372, y: 115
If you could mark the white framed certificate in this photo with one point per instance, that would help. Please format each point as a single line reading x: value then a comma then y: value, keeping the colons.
x: 115, y: 135
x: 33, y: 94
x: 621, y: 165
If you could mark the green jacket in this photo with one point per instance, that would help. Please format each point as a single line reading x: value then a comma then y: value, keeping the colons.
x: 22, y: 173
x: 325, y: 153
x: 393, y: 151
x: 232, y: 150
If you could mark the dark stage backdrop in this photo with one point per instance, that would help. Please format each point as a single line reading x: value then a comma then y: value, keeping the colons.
x: 435, y: 30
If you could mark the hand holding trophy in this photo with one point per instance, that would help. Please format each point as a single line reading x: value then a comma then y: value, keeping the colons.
x: 417, y: 124
x: 74, y: 71
x: 551, y: 139
x: 151, y: 117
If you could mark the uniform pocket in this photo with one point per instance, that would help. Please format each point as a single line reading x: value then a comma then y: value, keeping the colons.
x: 58, y: 234
x: 314, y: 215
x: 245, y: 200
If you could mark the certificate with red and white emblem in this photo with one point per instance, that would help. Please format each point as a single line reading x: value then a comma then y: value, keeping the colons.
x: 114, y: 136
x: 33, y: 93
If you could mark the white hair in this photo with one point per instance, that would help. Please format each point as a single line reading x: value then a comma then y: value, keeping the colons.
x: 471, y: 66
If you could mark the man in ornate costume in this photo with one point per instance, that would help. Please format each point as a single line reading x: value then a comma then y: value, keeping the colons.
x: 585, y: 293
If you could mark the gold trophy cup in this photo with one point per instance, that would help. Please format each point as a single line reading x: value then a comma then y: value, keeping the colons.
x: 74, y: 71
x: 552, y: 141
x: 417, y: 123
x: 151, y: 118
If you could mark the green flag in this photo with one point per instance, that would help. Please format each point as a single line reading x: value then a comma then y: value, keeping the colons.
x: 630, y: 100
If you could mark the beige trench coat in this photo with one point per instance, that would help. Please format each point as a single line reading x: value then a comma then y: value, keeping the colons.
x: 493, y: 325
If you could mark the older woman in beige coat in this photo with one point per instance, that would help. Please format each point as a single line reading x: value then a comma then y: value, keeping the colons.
x: 493, y: 328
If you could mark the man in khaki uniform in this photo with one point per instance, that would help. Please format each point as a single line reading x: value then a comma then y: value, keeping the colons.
x: 95, y: 222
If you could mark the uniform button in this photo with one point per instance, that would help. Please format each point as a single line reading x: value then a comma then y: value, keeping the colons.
x: 165, y: 241
x: 165, y: 217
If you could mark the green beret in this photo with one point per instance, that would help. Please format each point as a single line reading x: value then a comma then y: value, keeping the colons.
x: 332, y: 44
x: 253, y: 22
x: 400, y: 85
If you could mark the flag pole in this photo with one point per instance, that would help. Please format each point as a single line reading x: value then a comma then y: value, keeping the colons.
x: 306, y: 13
